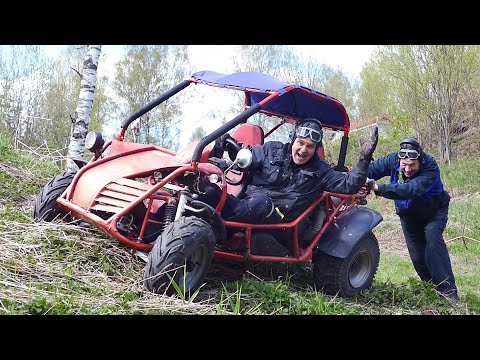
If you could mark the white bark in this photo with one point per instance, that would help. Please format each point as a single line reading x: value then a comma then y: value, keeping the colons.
x: 81, y: 118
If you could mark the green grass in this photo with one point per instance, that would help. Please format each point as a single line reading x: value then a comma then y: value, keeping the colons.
x: 17, y: 187
x: 394, y: 269
x: 277, y: 297
x: 461, y: 176
x: 41, y: 163
x: 463, y: 215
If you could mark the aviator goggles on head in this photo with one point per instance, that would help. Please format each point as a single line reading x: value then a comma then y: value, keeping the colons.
x: 410, y: 154
x: 313, y: 134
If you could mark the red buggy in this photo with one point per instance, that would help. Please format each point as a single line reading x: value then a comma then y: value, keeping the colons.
x: 334, y: 232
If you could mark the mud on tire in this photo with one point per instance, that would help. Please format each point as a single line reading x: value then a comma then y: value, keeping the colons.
x: 46, y: 207
x: 184, y: 250
x: 349, y: 276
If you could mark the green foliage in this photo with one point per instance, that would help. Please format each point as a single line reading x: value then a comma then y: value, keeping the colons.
x: 23, y: 70
x: 341, y: 87
x: 461, y: 177
x: 430, y: 83
x: 144, y: 73
x: 6, y: 150
x: 232, y: 302
x: 400, y: 127
x: 280, y: 298
x: 198, y: 134
x: 377, y: 92
x: 394, y: 298
x: 39, y: 306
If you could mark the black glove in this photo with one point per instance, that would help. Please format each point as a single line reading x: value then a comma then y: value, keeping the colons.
x: 217, y: 150
x: 368, y: 147
x: 223, y: 140
x: 232, y: 149
x: 221, y: 145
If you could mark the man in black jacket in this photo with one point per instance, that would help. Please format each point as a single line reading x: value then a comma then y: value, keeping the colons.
x: 422, y: 205
x: 288, y: 176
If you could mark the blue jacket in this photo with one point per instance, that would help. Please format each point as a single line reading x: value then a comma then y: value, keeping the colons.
x: 291, y: 187
x: 418, y: 196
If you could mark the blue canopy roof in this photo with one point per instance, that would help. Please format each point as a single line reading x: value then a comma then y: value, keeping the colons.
x: 294, y: 103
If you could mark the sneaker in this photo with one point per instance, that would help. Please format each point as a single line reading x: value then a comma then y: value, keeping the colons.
x: 451, y: 296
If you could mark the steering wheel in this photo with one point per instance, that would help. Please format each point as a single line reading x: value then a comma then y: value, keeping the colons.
x: 233, y: 148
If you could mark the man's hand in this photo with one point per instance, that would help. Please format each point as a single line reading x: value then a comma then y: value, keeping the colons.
x: 368, y: 147
x: 223, y: 140
x: 371, y: 185
x: 222, y: 145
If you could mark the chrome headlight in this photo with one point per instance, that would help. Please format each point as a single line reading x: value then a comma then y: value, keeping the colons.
x: 213, y: 178
x: 94, y: 141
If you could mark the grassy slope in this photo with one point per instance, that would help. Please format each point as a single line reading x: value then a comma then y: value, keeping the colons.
x: 63, y: 269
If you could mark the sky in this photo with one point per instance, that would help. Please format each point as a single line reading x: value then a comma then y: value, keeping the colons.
x: 349, y: 58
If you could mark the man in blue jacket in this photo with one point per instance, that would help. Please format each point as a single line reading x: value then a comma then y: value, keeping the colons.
x: 422, y: 205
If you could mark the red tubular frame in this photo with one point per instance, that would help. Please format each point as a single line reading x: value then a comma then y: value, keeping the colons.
x: 334, y: 210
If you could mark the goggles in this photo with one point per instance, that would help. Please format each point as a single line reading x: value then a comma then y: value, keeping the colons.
x: 313, y: 134
x: 411, y: 154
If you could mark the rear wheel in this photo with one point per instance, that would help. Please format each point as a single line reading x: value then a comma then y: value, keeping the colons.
x: 46, y: 207
x: 351, y: 275
x: 184, y: 250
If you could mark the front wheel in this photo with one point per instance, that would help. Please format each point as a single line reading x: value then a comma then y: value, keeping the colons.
x: 184, y: 250
x: 351, y: 275
x: 46, y: 207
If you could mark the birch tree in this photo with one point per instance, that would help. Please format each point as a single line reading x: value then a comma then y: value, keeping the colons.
x: 60, y: 98
x: 81, y: 116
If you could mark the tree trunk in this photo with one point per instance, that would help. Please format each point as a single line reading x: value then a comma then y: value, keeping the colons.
x: 81, y: 118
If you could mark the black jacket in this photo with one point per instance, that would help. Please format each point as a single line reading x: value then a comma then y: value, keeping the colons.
x: 293, y: 187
